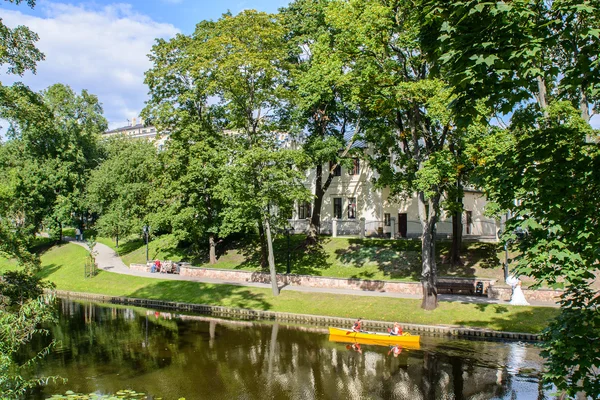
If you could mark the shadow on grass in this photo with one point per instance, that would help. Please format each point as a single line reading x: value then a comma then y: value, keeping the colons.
x: 47, y: 270
x: 474, y: 255
x: 303, y: 261
x: 529, y: 319
x: 194, y: 292
x: 399, y: 259
x: 130, y: 246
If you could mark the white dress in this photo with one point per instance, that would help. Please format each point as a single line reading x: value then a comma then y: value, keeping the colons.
x: 517, y: 298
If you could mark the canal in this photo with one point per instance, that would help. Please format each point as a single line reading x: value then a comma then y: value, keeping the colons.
x: 104, y: 348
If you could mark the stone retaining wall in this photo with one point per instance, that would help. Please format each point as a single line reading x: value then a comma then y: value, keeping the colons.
x: 140, y: 267
x: 545, y: 295
x: 412, y: 288
x: 241, y: 313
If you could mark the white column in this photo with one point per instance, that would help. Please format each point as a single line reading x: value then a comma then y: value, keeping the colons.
x: 393, y: 227
x: 361, y: 228
x: 334, y: 227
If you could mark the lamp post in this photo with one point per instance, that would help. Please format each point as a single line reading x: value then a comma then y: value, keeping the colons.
x: 288, y: 231
x: 146, y: 230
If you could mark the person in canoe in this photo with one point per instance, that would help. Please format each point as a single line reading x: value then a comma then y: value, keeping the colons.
x: 357, y: 327
x: 396, y: 330
x: 396, y: 350
x: 355, y: 347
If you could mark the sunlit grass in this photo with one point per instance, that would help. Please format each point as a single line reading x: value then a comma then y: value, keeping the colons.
x: 64, y: 265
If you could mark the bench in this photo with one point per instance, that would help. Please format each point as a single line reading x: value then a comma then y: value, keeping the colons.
x: 461, y: 286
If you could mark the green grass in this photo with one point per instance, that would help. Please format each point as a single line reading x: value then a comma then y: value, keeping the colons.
x: 64, y: 266
x: 378, y: 259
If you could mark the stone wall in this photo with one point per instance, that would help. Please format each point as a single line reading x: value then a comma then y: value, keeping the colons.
x: 545, y: 295
x: 413, y: 288
x: 140, y: 267
x: 409, y: 288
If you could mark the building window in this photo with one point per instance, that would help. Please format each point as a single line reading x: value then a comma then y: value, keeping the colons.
x: 337, y: 208
x: 469, y: 222
x: 352, y: 208
x: 387, y: 220
x: 304, y: 210
x: 337, y: 171
x: 355, y: 170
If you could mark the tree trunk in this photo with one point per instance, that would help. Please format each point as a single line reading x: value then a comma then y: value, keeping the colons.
x: 117, y: 240
x: 320, y: 189
x: 271, y: 258
x: 455, y: 250
x: 315, y: 218
x: 583, y: 105
x: 428, y: 270
x: 212, y: 253
x: 263, y: 245
x: 542, y: 95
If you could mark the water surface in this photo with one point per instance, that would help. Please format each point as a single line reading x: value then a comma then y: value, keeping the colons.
x: 108, y: 348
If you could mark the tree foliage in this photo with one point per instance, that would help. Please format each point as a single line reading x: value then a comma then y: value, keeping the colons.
x: 120, y: 189
x: 535, y: 59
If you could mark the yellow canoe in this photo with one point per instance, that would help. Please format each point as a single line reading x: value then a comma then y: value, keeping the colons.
x: 348, y: 339
x: 384, y: 338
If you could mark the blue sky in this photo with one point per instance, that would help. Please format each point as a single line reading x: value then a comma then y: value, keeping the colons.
x: 102, y: 46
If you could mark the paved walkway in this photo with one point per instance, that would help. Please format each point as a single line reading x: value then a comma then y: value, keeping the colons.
x: 109, y: 260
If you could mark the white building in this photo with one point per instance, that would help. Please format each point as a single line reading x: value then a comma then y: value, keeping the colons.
x: 353, y: 204
x: 139, y: 131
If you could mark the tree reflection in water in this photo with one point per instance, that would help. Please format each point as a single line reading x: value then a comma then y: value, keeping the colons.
x: 109, y: 348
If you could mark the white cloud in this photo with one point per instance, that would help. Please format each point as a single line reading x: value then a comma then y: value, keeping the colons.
x: 101, y: 49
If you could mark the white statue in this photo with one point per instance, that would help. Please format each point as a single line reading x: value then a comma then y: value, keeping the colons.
x: 517, y: 298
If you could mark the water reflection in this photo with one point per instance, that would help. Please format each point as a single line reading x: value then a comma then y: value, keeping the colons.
x: 108, y: 348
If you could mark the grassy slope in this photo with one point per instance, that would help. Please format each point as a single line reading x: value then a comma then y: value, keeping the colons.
x: 64, y: 266
x: 338, y: 257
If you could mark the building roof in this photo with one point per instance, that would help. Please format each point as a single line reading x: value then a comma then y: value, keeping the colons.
x: 125, y: 128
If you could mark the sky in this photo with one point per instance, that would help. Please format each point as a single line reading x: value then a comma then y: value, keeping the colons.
x: 102, y: 46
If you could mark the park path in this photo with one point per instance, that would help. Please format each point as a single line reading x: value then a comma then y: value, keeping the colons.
x: 108, y: 260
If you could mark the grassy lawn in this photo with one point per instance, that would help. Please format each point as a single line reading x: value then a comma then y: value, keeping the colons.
x: 338, y: 257
x: 64, y: 266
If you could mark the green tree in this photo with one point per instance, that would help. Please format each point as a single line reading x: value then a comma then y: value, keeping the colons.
x: 17, y: 47
x: 405, y: 106
x: 120, y: 189
x: 56, y: 133
x: 322, y: 96
x: 195, y: 155
x: 563, y: 236
x: 537, y: 60
x: 246, y: 61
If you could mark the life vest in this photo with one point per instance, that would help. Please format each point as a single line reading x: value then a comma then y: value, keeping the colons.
x: 357, y: 326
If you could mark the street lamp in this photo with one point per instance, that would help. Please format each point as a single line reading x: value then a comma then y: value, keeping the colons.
x: 288, y: 231
x: 146, y: 231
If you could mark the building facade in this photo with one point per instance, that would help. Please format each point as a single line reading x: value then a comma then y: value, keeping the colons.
x: 352, y: 205
x: 137, y: 130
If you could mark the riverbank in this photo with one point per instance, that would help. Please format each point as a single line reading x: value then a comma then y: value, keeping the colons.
x: 63, y: 265
x: 304, y: 319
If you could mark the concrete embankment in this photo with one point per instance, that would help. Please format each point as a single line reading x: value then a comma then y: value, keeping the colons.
x: 305, y: 319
